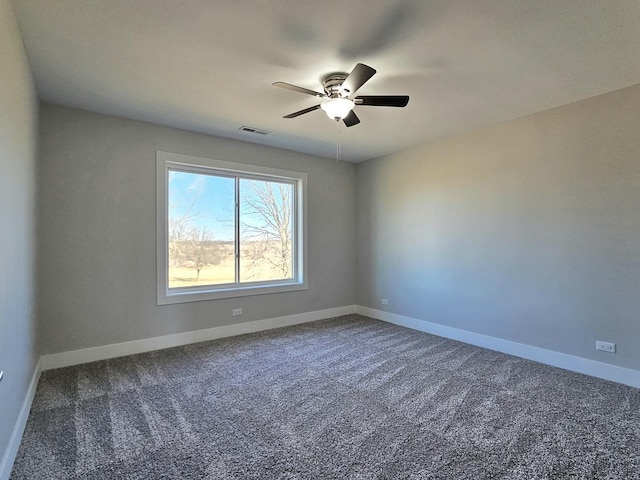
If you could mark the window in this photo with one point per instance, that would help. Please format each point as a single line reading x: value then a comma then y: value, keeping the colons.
x: 228, y: 229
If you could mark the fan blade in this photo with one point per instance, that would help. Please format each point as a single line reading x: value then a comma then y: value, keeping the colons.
x: 295, y: 88
x: 302, y: 112
x: 351, y: 119
x: 358, y: 77
x: 382, y: 100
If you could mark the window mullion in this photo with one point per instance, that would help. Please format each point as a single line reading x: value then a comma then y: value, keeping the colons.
x: 237, y: 230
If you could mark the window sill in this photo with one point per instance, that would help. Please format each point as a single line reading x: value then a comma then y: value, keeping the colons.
x: 191, y: 295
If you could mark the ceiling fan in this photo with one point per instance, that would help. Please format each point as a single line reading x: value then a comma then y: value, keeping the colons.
x: 338, y: 100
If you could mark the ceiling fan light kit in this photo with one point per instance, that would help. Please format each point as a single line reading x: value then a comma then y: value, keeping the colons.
x: 338, y: 100
x: 337, y: 108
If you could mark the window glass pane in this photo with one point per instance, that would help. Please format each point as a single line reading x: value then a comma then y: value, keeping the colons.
x: 201, y: 248
x: 266, y: 230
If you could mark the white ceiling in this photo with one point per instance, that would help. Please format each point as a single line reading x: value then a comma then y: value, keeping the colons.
x: 208, y: 65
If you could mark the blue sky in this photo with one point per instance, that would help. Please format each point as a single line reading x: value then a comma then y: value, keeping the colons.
x: 207, y: 201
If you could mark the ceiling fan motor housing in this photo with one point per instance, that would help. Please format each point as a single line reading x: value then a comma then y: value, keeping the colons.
x: 332, y: 84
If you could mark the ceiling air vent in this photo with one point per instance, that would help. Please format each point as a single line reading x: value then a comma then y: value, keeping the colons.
x: 257, y: 131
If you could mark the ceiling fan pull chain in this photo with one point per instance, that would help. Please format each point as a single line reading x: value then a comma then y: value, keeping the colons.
x: 337, y: 140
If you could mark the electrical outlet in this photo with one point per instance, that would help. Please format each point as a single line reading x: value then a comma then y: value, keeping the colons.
x: 385, y: 301
x: 606, y: 346
x: 236, y: 311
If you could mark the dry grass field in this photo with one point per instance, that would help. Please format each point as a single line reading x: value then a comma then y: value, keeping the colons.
x: 209, y: 275
x: 251, y: 270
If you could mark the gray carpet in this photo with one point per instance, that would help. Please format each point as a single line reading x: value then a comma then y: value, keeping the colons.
x: 344, y: 398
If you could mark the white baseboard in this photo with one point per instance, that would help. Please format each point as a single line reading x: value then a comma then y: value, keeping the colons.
x: 6, y: 465
x: 606, y: 371
x: 86, y: 355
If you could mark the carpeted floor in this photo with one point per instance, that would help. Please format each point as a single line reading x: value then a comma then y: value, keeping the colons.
x: 344, y: 398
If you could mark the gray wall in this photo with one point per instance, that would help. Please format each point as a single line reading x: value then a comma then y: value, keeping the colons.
x: 97, y: 261
x: 18, y: 107
x: 527, y: 231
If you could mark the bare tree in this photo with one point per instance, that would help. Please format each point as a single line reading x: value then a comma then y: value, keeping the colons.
x: 266, y: 222
x: 201, y: 253
x: 179, y: 224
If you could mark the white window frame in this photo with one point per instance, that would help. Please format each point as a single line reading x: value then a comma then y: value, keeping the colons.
x: 166, y: 161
